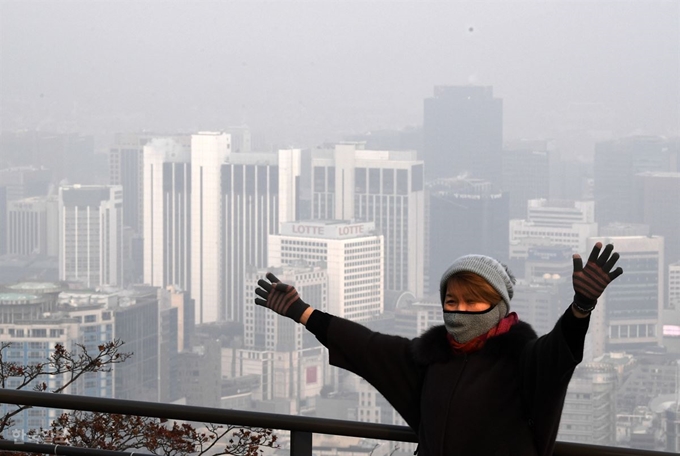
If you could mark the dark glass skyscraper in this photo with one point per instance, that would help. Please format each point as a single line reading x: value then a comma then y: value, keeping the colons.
x: 658, y: 205
x: 466, y: 216
x: 527, y: 169
x: 463, y: 133
x: 615, y: 165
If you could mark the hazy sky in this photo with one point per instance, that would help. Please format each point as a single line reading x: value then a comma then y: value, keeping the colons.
x: 307, y: 71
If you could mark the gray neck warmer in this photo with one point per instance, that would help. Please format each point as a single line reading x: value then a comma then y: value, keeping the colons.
x: 465, y: 326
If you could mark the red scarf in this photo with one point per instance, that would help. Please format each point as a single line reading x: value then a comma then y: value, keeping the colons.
x: 478, y: 342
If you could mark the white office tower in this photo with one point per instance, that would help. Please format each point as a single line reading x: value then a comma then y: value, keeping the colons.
x: 33, y: 226
x: 628, y: 314
x: 207, y: 215
x: 383, y: 187
x: 167, y: 213
x: 289, y: 182
x: 209, y: 150
x: 250, y: 204
x: 353, y: 254
x: 553, y: 223
x: 90, y: 229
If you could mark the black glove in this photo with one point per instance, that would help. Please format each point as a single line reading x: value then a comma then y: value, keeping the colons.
x: 590, y: 282
x: 279, y: 297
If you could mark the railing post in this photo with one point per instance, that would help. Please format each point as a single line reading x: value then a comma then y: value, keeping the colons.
x: 300, y: 443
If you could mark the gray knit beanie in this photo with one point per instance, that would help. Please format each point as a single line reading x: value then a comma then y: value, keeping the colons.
x: 494, y: 272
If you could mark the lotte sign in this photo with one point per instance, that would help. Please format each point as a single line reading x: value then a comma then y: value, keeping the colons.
x: 328, y: 231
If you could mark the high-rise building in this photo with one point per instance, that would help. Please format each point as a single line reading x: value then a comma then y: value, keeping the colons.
x: 241, y: 142
x: 29, y: 342
x: 137, y: 323
x: 541, y: 301
x: 551, y: 223
x: 671, y: 311
x: 287, y: 361
x: 589, y: 413
x: 126, y: 168
x: 209, y: 150
x: 623, y: 229
x: 653, y: 374
x: 630, y: 311
x: 528, y: 170
x: 412, y: 319
x: 264, y: 329
x: 198, y: 375
x: 547, y: 261
x: 69, y: 156
x: 25, y: 181
x: 463, y: 133
x: 90, y: 229
x: 353, y: 254
x: 128, y: 315
x: 251, y: 201
x: 167, y: 213
x: 615, y: 165
x: 126, y: 165
x: 33, y: 226
x: 208, y: 213
x: 658, y: 196
x: 176, y: 336
x: 572, y: 180
x: 674, y: 285
x: 36, y: 316
x: 465, y: 216
x: 383, y: 187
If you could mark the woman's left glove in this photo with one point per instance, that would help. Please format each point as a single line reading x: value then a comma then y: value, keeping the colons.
x: 591, y: 280
x: 280, y: 297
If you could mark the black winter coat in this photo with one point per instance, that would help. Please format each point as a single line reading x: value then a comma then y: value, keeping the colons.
x: 505, y: 399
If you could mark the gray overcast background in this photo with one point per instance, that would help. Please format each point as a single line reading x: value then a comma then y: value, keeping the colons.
x: 311, y: 71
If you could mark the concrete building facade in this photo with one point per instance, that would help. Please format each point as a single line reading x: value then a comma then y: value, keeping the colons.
x: 353, y: 254
x: 90, y: 230
x: 33, y: 226
x: 383, y: 187
x: 167, y: 213
x: 630, y: 311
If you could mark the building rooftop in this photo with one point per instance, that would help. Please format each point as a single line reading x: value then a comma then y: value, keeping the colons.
x: 44, y: 287
x: 17, y: 298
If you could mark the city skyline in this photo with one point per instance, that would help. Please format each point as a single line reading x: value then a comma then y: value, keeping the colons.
x: 158, y: 158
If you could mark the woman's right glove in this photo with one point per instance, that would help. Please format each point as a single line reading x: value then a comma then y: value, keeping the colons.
x: 591, y: 280
x: 279, y: 297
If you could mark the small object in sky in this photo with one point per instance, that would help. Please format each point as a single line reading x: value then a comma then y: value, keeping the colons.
x: 471, y: 29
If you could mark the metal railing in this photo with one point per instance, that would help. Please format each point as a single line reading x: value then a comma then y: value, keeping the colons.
x: 43, y: 448
x: 301, y: 427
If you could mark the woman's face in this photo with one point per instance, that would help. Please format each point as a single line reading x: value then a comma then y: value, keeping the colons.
x: 456, y: 301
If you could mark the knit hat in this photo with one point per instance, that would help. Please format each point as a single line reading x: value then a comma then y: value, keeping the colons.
x: 497, y: 274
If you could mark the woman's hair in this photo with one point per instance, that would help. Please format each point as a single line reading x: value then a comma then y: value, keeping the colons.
x: 475, y: 287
